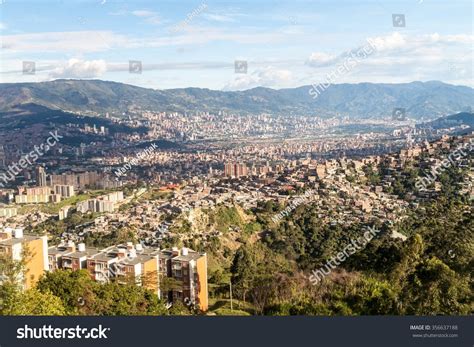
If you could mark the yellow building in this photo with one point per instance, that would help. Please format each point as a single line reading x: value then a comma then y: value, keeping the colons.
x: 13, y: 244
x: 189, y: 268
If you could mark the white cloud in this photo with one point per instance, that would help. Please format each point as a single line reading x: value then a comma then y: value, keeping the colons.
x: 64, y: 42
x: 173, y: 66
x: 320, y: 58
x: 219, y: 17
x: 143, y: 13
x: 82, y: 42
x: 150, y: 17
x: 267, y: 77
x: 397, y: 46
x: 395, y: 41
x: 404, y: 57
x: 2, y: 26
x: 398, y: 58
x: 79, y: 68
x: 75, y: 68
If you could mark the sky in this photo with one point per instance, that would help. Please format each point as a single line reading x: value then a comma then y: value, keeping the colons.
x: 277, y: 44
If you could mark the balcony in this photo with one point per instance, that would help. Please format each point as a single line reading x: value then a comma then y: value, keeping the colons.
x: 66, y: 264
x: 100, y: 268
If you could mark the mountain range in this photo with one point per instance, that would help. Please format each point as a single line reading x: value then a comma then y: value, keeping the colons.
x: 427, y: 100
x: 464, y: 118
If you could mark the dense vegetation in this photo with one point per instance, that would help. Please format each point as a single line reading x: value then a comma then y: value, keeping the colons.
x: 429, y: 272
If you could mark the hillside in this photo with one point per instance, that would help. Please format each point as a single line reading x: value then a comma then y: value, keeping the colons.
x: 463, y: 118
x: 364, y: 100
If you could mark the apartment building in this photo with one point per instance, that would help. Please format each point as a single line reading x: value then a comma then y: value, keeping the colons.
x: 107, y: 183
x: 41, y: 176
x: 190, y: 268
x: 36, y: 195
x: 13, y: 244
x: 114, y: 196
x: 104, y: 203
x: 69, y: 256
x: 65, y: 190
x: 64, y: 212
x: 147, y: 267
x: 95, y: 205
x: 7, y: 212
x: 235, y: 170
x: 78, y: 180
x: 121, y: 261
x: 126, y: 263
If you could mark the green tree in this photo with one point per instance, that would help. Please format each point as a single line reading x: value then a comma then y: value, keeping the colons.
x: 434, y: 289
x: 75, y: 288
x: 33, y: 303
x: 82, y: 295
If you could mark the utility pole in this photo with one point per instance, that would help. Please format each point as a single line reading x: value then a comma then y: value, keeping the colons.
x: 230, y: 288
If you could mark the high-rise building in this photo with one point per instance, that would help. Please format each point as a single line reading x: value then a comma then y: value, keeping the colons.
x: 78, y: 180
x: 228, y: 169
x: 7, y: 212
x: 104, y: 203
x: 35, y: 195
x: 2, y: 157
x: 96, y: 205
x: 65, y: 190
x: 189, y: 268
x: 235, y: 170
x: 41, y: 176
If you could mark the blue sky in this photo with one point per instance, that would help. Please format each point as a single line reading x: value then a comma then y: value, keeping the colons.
x: 195, y: 43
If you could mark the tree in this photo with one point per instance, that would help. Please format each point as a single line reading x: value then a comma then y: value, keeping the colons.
x: 434, y: 289
x: 410, y: 259
x: 255, y: 271
x: 33, y: 303
x: 75, y: 288
x: 372, y: 297
x: 13, y: 271
x: 82, y: 295
x: 242, y: 270
x: 179, y: 309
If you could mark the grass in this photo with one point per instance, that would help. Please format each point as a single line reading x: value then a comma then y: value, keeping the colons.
x: 225, y: 217
x: 51, y: 208
x: 25, y: 209
x: 156, y: 194
x: 54, y: 208
x: 221, y: 307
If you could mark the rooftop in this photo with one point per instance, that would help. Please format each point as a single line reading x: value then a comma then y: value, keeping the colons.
x: 13, y: 241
